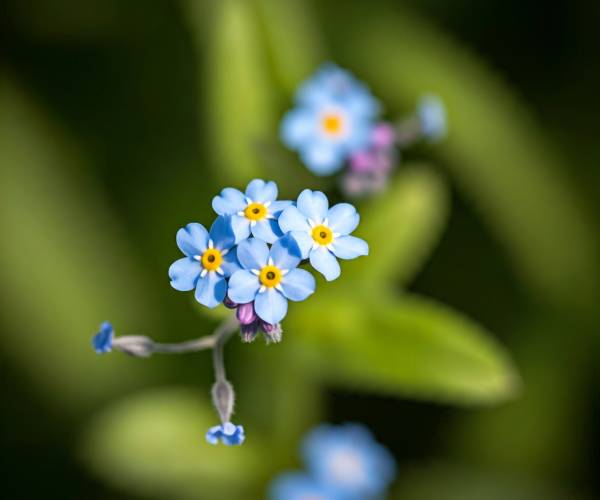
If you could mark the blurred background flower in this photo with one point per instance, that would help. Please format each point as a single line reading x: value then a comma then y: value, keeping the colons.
x: 119, y: 121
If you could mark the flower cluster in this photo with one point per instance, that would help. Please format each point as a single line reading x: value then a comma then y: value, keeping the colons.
x: 336, y: 123
x: 343, y: 463
x: 250, y: 258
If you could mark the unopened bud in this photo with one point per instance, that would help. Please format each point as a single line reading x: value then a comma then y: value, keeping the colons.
x: 249, y: 332
x: 223, y: 397
x: 245, y: 313
x: 271, y: 332
x: 134, y: 345
x: 228, y: 303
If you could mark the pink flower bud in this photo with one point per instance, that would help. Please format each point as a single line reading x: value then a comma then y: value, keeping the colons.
x: 245, y: 313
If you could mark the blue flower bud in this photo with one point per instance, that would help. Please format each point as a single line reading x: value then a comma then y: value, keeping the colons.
x: 228, y: 433
x: 103, y: 340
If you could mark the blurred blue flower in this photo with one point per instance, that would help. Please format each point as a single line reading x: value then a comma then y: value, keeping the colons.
x: 333, y: 118
x: 253, y: 212
x: 228, y: 433
x: 298, y: 486
x: 270, y: 277
x: 348, y: 459
x: 209, y: 259
x: 323, y: 233
x: 432, y: 117
x: 102, y: 341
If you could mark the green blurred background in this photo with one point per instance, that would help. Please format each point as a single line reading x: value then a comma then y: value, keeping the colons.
x: 118, y: 123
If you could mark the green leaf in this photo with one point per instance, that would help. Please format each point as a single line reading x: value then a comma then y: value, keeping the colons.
x: 238, y: 99
x: 407, y: 346
x: 64, y: 264
x: 495, y: 150
x: 153, y: 444
x: 295, y: 44
x: 402, y: 227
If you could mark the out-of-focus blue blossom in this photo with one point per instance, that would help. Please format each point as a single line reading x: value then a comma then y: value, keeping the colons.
x: 432, y: 117
x: 323, y: 233
x: 228, y: 433
x: 298, y: 486
x: 348, y: 459
x: 333, y: 118
x: 253, y: 212
x: 210, y: 257
x: 102, y: 341
x: 270, y: 277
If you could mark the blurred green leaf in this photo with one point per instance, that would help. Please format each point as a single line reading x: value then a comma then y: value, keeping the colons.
x: 295, y: 44
x: 409, y: 346
x: 66, y: 266
x: 494, y: 148
x: 402, y: 227
x: 238, y: 98
x: 153, y: 444
x: 447, y: 482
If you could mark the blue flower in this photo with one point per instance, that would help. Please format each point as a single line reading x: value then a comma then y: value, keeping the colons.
x: 333, y: 119
x: 270, y: 277
x: 209, y: 259
x: 298, y: 486
x: 323, y: 233
x: 228, y: 433
x: 432, y: 117
x: 348, y: 459
x: 103, y: 340
x: 253, y: 212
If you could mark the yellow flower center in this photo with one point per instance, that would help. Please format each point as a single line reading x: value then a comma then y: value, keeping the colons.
x: 322, y: 235
x: 255, y: 211
x: 211, y: 259
x: 332, y: 124
x: 270, y: 276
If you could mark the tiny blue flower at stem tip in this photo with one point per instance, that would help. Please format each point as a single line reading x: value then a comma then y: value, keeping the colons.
x: 333, y: 118
x: 323, y: 233
x: 102, y: 341
x: 227, y: 433
x: 253, y: 212
x: 270, y: 277
x: 210, y: 258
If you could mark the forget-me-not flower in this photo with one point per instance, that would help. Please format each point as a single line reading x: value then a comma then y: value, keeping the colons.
x: 102, y: 341
x: 431, y: 113
x: 323, y: 233
x: 298, y: 486
x: 253, y: 212
x: 228, y: 433
x: 270, y: 277
x: 333, y: 118
x: 210, y: 257
x: 348, y: 459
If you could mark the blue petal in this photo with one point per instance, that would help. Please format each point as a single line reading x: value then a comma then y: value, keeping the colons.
x: 298, y: 284
x: 277, y: 207
x: 260, y: 191
x: 286, y: 253
x: 241, y: 228
x: 253, y: 254
x: 184, y: 274
x: 221, y: 232
x: 301, y: 486
x: 230, y: 262
x: 243, y: 286
x: 297, y: 127
x: 343, y: 218
x: 267, y: 230
x: 102, y: 341
x: 323, y: 158
x: 304, y: 241
x: 233, y: 434
x: 214, y: 434
x: 211, y: 290
x: 229, y: 202
x: 270, y: 306
x: 313, y: 204
x: 324, y: 262
x: 350, y: 247
x: 291, y: 219
x: 192, y: 239
x: 432, y: 116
